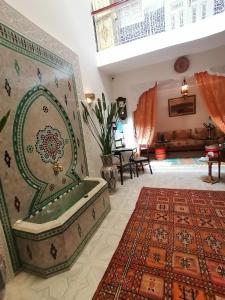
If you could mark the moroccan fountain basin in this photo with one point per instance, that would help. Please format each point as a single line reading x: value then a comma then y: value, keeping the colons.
x: 49, y: 241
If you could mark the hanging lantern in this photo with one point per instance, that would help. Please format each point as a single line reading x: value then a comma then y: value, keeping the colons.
x: 184, y: 88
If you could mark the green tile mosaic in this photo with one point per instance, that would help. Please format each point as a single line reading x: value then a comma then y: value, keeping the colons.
x: 34, y: 82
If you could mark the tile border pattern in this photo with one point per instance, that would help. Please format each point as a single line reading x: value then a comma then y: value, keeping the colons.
x: 17, y: 42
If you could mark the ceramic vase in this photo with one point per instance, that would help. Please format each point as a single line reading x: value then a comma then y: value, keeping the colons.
x: 109, y: 172
x: 2, y: 277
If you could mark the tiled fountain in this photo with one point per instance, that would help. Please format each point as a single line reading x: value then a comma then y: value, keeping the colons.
x: 49, y: 207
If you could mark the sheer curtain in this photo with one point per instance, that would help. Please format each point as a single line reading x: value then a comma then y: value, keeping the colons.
x: 212, y: 90
x: 144, y: 117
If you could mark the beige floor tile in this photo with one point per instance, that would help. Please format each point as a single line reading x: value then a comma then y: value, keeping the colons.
x: 82, y: 280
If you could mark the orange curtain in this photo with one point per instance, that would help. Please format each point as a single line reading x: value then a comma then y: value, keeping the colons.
x: 144, y: 117
x: 212, y: 89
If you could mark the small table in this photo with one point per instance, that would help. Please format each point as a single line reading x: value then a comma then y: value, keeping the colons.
x: 119, y: 151
x: 160, y: 150
x: 210, y: 178
x: 218, y: 160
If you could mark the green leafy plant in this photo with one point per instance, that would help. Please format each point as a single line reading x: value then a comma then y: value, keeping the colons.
x: 104, y: 115
x: 4, y: 120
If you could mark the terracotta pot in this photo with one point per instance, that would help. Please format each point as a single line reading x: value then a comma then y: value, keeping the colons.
x: 2, y: 277
x: 109, y: 172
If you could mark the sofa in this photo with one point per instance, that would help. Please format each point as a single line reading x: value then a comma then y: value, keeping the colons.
x: 188, y: 139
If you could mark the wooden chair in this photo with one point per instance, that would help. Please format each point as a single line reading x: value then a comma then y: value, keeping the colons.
x: 123, y: 163
x: 140, y: 161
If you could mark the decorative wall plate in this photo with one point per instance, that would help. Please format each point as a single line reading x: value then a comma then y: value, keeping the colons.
x: 181, y: 64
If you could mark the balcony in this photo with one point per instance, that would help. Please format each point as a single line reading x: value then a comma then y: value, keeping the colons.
x: 123, y: 21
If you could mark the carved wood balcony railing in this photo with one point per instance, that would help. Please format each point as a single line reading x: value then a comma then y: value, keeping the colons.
x: 121, y: 21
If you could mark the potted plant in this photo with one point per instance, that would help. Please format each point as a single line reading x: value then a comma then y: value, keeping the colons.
x: 99, y: 119
x: 3, y: 121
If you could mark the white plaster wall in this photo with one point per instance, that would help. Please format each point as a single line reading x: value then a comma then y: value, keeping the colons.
x: 132, y: 84
x: 172, y: 90
x: 70, y: 22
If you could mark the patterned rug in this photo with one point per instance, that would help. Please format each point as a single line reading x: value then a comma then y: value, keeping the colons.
x: 172, y: 248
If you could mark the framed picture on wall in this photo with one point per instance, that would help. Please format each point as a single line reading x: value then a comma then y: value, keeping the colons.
x: 180, y: 106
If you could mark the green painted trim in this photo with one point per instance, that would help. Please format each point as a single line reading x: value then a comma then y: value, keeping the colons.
x: 63, y: 227
x: 19, y: 43
x: 19, y: 150
x: 8, y: 231
x: 68, y: 263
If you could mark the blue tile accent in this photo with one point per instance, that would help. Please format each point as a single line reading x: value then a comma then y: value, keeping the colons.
x: 219, y: 6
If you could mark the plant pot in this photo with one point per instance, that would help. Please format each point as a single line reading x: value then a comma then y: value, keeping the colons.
x: 2, y: 277
x: 109, y: 172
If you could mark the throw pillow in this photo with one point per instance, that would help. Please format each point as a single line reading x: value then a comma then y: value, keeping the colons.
x: 183, y: 134
x: 203, y: 132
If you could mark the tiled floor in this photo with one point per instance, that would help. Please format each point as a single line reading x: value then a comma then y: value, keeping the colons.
x: 81, y: 281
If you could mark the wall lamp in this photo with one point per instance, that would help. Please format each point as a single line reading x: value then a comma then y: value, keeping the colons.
x: 90, y: 97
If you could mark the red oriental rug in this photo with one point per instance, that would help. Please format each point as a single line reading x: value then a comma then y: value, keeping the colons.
x: 172, y: 248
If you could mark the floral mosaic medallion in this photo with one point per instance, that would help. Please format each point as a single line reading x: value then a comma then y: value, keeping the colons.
x: 50, y: 144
